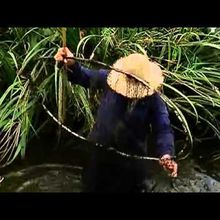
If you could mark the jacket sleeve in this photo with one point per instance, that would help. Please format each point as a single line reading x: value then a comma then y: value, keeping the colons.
x: 87, y: 78
x: 161, y: 127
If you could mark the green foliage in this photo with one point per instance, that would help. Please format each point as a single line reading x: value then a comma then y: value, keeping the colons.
x: 189, y: 58
x: 26, y: 80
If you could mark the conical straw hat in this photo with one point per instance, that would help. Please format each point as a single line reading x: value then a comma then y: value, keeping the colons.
x: 138, y: 68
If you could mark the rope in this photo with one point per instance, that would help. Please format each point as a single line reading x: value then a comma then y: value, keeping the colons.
x: 97, y: 145
x: 83, y: 138
x: 60, y: 124
x: 1, y: 178
x: 103, y: 64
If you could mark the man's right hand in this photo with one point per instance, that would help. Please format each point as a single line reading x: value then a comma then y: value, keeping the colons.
x: 61, y: 55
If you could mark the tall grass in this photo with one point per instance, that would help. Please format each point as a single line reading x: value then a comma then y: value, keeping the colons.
x: 27, y: 79
x: 189, y: 58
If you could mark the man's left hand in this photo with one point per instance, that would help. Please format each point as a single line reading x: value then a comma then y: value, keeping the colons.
x: 168, y: 164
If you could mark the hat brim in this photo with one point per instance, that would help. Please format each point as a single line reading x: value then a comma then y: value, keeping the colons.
x: 131, y: 87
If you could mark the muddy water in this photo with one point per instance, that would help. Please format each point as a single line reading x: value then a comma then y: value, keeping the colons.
x: 46, y: 168
x: 43, y: 178
x: 59, y: 177
x: 49, y: 169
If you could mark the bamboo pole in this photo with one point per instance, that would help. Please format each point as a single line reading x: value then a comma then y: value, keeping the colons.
x: 62, y: 91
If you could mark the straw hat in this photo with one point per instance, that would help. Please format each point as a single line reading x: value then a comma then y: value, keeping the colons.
x: 138, y: 68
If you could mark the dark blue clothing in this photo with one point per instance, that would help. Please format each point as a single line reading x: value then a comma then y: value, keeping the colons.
x: 125, y: 125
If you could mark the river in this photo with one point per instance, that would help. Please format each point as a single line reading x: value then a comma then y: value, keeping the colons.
x: 58, y: 169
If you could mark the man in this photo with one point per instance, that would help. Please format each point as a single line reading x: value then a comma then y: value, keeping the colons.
x: 128, y: 113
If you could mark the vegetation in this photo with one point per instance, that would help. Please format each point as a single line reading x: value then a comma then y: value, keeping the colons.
x: 188, y: 56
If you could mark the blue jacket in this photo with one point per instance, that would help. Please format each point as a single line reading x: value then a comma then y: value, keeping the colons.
x: 121, y: 125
